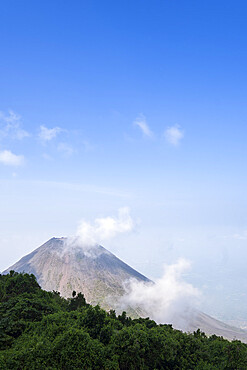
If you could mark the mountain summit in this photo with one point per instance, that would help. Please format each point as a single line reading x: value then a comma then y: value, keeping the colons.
x: 64, y: 265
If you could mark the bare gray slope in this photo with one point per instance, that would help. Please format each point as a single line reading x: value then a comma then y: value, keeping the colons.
x: 191, y: 320
x: 212, y: 326
x: 62, y: 267
x: 100, y: 275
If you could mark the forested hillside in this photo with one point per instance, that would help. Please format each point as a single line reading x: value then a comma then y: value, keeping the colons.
x: 41, y: 330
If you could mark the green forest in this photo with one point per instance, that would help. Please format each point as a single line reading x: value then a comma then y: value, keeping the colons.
x: 42, y: 330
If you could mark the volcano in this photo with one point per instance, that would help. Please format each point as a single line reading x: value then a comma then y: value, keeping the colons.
x: 63, y: 265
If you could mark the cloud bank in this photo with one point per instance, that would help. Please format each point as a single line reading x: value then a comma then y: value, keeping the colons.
x: 169, y: 300
x: 174, y: 135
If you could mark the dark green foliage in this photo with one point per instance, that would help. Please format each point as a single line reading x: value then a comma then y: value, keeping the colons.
x: 77, y: 301
x: 14, y: 284
x: 41, y: 330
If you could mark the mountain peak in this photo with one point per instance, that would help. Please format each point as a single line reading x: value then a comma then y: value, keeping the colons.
x: 63, y: 264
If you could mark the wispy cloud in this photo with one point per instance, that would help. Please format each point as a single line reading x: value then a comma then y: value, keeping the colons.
x: 66, y: 149
x: 10, y: 159
x: 10, y: 125
x: 47, y: 134
x: 141, y: 122
x: 174, y: 134
x: 242, y: 235
x: 12, y: 117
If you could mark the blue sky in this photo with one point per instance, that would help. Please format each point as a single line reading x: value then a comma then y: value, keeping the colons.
x: 129, y: 103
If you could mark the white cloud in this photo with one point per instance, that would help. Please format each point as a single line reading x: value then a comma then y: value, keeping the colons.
x: 174, y: 135
x: 47, y: 134
x: 168, y: 300
x: 10, y: 125
x: 10, y: 159
x: 105, y: 228
x: 141, y: 122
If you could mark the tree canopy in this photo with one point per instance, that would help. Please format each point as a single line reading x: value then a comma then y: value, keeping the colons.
x: 42, y: 330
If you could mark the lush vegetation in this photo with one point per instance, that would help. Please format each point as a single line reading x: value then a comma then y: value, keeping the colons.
x: 41, y: 330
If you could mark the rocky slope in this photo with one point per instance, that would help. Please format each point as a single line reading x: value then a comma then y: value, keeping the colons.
x: 62, y: 265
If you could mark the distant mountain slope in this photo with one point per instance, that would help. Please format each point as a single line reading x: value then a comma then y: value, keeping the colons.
x: 212, y: 326
x: 100, y: 276
x: 63, y: 267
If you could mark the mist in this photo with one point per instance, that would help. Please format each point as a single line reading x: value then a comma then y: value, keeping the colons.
x: 168, y: 300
